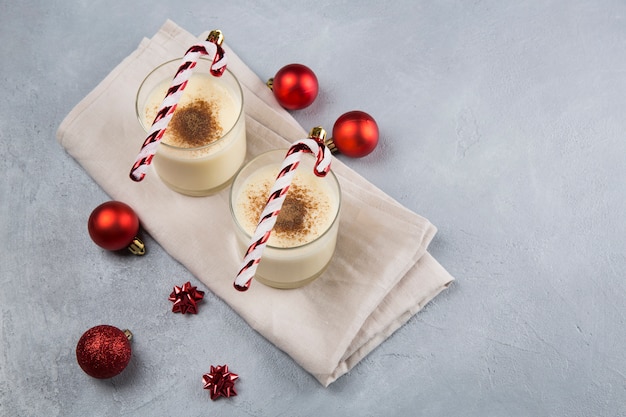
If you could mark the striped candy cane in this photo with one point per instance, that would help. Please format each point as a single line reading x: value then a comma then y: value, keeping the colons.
x: 313, y: 144
x: 213, y: 49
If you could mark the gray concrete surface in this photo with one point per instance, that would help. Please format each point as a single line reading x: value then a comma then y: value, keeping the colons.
x: 501, y: 121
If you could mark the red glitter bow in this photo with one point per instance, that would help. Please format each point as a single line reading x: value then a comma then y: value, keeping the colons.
x: 220, y: 382
x: 186, y: 299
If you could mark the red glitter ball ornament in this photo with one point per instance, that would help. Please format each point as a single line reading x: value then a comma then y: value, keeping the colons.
x: 104, y: 351
x: 295, y: 86
x: 355, y: 134
x: 113, y: 226
x: 220, y: 382
x: 186, y: 299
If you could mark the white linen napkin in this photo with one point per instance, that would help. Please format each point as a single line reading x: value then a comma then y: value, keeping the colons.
x: 381, y: 273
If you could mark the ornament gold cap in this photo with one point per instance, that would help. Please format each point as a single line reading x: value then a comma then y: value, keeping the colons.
x: 330, y: 144
x: 128, y: 333
x: 216, y: 36
x: 270, y: 83
x: 137, y: 247
x: 318, y: 133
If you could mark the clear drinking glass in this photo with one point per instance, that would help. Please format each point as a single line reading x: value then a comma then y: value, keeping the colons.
x: 205, y: 142
x: 304, y: 238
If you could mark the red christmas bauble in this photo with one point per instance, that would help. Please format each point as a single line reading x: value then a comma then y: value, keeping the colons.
x: 113, y: 225
x: 104, y: 351
x: 355, y: 134
x: 295, y: 86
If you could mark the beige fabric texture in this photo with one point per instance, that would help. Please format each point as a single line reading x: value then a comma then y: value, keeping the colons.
x: 380, y: 276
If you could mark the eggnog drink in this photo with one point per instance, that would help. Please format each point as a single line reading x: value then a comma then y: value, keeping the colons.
x: 205, y: 142
x: 303, y: 239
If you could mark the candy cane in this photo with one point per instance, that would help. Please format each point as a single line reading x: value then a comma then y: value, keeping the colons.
x: 313, y: 144
x: 213, y: 49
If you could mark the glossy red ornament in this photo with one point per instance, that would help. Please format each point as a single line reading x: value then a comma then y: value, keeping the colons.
x: 104, y: 351
x: 113, y: 226
x: 355, y: 134
x: 295, y: 86
x: 220, y: 382
x: 186, y: 299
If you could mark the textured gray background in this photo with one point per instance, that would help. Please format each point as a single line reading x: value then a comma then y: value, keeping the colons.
x: 501, y: 121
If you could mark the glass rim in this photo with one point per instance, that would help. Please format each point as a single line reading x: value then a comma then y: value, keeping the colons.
x: 280, y: 248
x: 197, y: 148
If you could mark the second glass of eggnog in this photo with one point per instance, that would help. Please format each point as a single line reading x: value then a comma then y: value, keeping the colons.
x: 303, y: 239
x: 205, y: 142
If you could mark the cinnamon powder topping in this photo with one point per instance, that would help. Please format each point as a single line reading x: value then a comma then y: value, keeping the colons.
x: 297, y: 216
x: 195, y: 125
x: 291, y: 217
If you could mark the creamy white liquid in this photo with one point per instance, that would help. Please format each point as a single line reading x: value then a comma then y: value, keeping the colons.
x: 296, y: 255
x: 311, y: 195
x: 199, y: 167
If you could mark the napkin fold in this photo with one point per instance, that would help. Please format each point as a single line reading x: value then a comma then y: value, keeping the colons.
x: 381, y: 273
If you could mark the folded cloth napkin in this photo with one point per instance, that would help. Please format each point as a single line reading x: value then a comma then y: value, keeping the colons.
x: 381, y: 273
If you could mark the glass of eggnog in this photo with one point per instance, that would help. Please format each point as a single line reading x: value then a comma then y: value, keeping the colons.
x: 303, y: 239
x: 205, y: 141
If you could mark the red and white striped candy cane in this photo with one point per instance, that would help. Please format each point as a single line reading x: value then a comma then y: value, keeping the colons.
x: 315, y: 145
x: 213, y: 49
